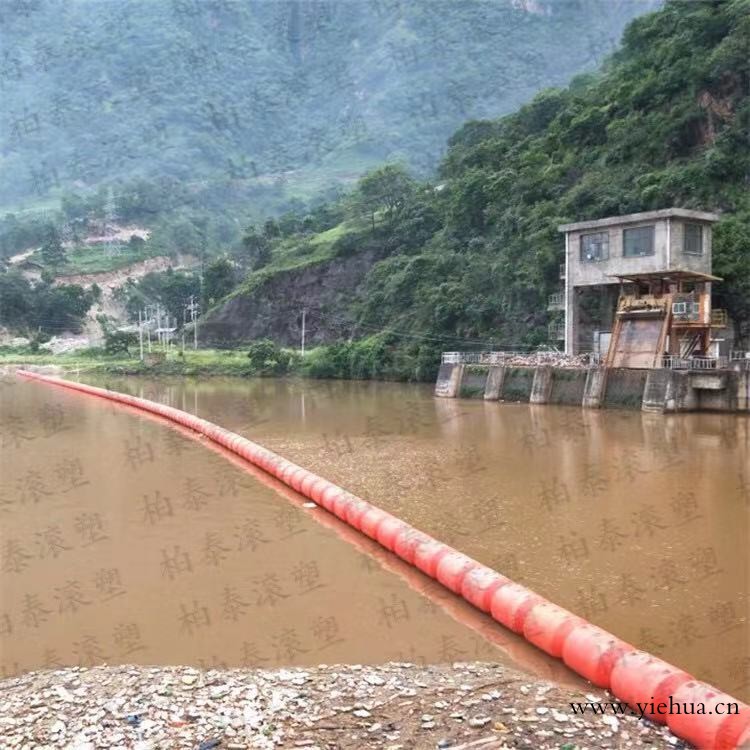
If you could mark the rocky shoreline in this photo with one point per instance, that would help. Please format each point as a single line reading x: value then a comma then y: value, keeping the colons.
x: 388, y: 707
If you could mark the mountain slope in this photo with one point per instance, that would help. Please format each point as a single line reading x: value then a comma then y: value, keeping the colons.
x: 266, y: 101
x: 665, y: 122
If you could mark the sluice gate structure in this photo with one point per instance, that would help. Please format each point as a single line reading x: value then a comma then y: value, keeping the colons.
x: 655, y: 342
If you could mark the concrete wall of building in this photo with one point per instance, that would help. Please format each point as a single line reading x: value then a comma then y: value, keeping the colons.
x: 667, y: 255
x: 685, y: 261
x: 591, y: 273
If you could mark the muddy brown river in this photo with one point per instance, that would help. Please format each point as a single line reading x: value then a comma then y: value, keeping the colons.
x: 126, y: 541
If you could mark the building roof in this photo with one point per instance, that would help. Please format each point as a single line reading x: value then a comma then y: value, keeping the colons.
x: 673, y: 274
x: 664, y: 213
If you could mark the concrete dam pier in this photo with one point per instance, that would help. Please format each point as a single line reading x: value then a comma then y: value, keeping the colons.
x: 654, y: 390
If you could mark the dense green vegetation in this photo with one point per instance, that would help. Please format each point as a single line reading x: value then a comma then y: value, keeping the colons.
x: 40, y: 308
x: 471, y: 259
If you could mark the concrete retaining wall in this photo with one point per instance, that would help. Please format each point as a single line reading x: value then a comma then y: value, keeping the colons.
x: 619, y: 388
x: 517, y: 383
x: 473, y: 382
x: 541, y: 386
x: 448, y: 380
x: 624, y: 388
x: 568, y: 387
x: 495, y: 380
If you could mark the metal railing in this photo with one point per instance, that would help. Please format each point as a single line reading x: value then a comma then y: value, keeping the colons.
x: 479, y: 358
x: 719, y: 318
x: 556, y: 301
x: 556, y: 330
x: 673, y: 362
x: 669, y: 361
x: 552, y: 357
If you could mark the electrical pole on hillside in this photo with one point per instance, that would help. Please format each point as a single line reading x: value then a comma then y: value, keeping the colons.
x: 304, y: 316
x: 194, y: 309
x: 140, y: 334
x: 147, y: 320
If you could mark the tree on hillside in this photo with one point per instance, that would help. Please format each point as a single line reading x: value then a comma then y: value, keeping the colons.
x: 218, y: 280
x: 271, y: 229
x: 386, y: 189
x: 257, y: 248
x: 61, y: 308
x: 52, y: 251
x: 16, y: 300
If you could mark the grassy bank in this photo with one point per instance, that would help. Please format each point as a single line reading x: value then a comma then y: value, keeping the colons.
x: 204, y: 362
x: 367, y: 359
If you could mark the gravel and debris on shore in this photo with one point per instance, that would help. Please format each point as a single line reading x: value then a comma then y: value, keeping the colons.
x: 389, y: 707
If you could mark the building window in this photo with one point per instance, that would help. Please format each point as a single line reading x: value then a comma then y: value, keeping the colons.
x: 594, y: 247
x: 638, y: 241
x: 693, y: 239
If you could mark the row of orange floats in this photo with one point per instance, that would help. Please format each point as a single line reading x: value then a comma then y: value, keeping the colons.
x: 635, y: 677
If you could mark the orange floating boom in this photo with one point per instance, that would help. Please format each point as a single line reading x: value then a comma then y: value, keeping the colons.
x: 633, y: 676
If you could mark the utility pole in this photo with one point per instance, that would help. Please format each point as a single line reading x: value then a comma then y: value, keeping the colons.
x: 183, y: 332
x: 194, y: 309
x: 159, y: 334
x: 140, y: 334
x: 304, y: 316
x: 148, y: 333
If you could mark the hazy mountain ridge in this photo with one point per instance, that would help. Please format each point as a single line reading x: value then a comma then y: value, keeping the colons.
x: 470, y: 262
x: 229, y: 93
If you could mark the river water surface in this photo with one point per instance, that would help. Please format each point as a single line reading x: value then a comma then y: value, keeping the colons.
x: 124, y: 540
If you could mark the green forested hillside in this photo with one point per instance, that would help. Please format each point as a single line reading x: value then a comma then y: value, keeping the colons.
x: 472, y: 257
x: 257, y: 103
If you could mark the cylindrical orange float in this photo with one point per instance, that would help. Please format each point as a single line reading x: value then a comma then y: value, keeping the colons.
x: 371, y: 519
x: 453, y: 568
x: 389, y: 530
x: 511, y: 605
x: 698, y: 713
x: 428, y: 554
x: 639, y: 677
x: 407, y: 541
x: 593, y: 652
x: 480, y: 584
x: 354, y: 512
x: 547, y: 626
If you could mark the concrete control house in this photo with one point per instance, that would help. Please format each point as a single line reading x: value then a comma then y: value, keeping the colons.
x: 657, y: 266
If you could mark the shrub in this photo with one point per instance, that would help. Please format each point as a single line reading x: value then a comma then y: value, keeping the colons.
x: 119, y: 342
x: 267, y: 358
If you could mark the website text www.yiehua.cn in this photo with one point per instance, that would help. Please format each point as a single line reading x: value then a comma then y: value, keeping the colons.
x: 652, y: 708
